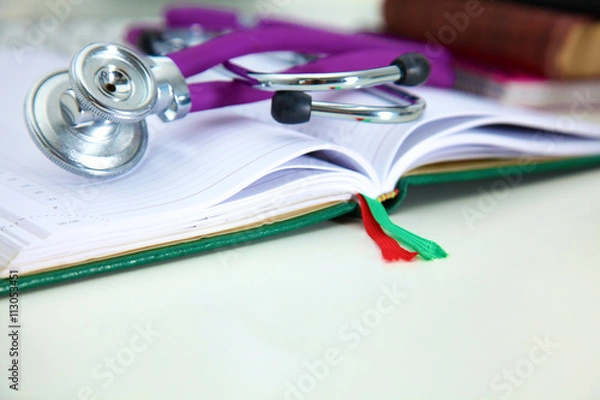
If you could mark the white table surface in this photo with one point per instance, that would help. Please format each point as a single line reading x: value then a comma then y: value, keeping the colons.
x: 242, y: 323
x: 512, y: 313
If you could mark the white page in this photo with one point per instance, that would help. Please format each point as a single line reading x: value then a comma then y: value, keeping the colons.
x: 447, y: 112
x: 290, y: 192
x: 493, y: 141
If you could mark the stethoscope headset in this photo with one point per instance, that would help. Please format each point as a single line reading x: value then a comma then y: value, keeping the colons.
x: 90, y: 119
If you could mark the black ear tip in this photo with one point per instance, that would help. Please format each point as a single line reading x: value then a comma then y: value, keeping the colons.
x: 415, y: 67
x: 289, y: 107
x: 146, y: 40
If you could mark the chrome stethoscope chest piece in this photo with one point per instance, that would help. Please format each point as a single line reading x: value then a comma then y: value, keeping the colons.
x: 113, y: 82
x: 75, y: 138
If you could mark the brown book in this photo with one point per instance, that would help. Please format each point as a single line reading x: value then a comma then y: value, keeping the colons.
x: 548, y: 42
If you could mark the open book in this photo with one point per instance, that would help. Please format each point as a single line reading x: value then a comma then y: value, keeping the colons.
x: 217, y: 173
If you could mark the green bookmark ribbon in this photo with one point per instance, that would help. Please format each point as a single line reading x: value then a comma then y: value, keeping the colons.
x: 427, y: 249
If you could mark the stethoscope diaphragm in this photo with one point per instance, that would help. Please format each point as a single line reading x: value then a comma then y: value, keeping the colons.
x: 75, y: 140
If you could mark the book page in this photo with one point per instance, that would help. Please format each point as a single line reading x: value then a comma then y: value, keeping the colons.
x: 448, y: 112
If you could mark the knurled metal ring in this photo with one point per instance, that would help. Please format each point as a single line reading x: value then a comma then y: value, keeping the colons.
x: 113, y: 82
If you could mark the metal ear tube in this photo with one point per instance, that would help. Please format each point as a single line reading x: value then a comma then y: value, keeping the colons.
x: 291, y: 105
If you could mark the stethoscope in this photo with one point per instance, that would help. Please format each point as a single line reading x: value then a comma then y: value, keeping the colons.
x: 90, y: 119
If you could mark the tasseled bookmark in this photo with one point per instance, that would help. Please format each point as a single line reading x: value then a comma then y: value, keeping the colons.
x: 390, y: 249
x: 378, y: 220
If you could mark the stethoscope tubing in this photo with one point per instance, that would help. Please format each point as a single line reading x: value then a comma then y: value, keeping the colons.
x: 196, y: 59
x: 208, y: 95
x: 342, y: 52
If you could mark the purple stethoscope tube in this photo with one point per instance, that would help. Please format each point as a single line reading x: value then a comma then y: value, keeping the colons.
x: 342, y: 52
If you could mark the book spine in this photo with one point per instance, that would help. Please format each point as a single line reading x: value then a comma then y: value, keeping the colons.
x: 504, y: 34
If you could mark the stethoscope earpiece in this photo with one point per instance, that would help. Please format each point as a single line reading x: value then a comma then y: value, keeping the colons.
x: 289, y: 107
x: 415, y: 69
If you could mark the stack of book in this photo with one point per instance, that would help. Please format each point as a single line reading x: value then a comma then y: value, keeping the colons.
x: 518, y: 52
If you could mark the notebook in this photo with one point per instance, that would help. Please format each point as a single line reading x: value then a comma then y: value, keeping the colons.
x: 231, y: 175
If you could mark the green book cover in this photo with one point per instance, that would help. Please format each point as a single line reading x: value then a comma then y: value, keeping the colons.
x: 139, y: 259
